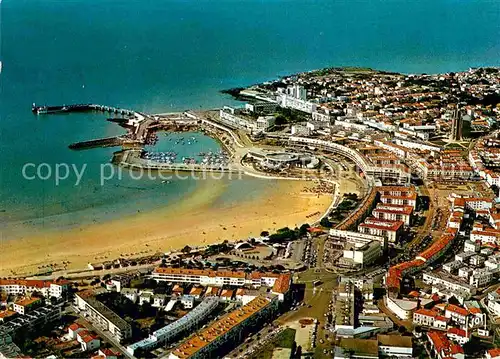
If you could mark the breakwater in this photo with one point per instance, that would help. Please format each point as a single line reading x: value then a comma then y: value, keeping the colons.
x: 42, y: 110
x: 100, y: 142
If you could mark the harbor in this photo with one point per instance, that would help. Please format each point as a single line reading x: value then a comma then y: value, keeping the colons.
x: 140, y: 145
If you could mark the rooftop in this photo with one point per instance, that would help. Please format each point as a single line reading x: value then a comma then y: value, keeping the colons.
x: 395, y: 341
x: 220, y: 327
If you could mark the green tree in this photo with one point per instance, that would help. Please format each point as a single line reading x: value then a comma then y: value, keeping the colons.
x: 325, y: 222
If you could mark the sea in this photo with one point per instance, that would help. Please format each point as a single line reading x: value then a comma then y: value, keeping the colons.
x: 171, y: 55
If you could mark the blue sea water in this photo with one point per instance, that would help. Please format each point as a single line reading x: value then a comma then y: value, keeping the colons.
x: 167, y: 55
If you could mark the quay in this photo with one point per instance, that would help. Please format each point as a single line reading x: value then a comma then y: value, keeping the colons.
x: 132, y: 159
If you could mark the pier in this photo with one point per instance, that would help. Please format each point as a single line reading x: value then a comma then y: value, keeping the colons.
x: 100, y: 142
x: 85, y: 107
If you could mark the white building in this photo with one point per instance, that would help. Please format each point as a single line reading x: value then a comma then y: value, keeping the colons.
x: 364, y: 254
x: 101, y: 315
x: 447, y: 281
x: 480, y: 277
x: 171, y: 331
x: 23, y: 287
x: 395, y: 346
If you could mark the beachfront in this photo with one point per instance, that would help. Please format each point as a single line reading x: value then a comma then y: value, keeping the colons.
x: 194, y: 221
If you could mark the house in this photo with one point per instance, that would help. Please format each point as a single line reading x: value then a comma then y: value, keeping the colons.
x: 196, y: 292
x: 226, y: 294
x: 130, y: 293
x: 6, y: 315
x: 107, y: 353
x: 458, y: 335
x: 443, y: 348
x: 25, y: 305
x: 458, y: 315
x: 145, y: 296
x: 430, y: 318
x: 88, y: 340
x: 159, y: 300
x: 493, y: 353
x: 177, y: 290
x: 74, y: 329
x: 187, y: 301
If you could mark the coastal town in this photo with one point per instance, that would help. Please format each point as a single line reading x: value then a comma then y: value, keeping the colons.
x: 404, y: 263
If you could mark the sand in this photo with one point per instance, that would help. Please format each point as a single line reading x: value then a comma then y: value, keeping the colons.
x: 194, y: 221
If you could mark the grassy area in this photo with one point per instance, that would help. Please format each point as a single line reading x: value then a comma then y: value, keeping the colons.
x: 284, y: 340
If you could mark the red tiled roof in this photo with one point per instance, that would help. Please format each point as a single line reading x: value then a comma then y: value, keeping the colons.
x: 456, y: 309
x: 494, y: 352
x: 282, y: 284
x: 457, y: 331
x: 426, y: 312
x: 75, y: 326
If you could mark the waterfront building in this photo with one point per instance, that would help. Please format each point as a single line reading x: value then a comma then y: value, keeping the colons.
x: 279, y: 283
x: 262, y: 107
x: 355, y: 237
x: 27, y: 286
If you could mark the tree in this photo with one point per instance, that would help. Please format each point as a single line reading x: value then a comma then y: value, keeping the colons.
x: 325, y: 222
x: 264, y: 234
x: 303, y: 229
x: 280, y: 120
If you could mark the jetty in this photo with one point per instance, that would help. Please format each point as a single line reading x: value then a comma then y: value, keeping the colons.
x: 84, y: 107
x: 100, y: 142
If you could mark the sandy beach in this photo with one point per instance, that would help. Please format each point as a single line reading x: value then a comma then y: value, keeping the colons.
x: 197, y: 220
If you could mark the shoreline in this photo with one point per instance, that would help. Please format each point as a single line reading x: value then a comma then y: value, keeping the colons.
x: 282, y: 203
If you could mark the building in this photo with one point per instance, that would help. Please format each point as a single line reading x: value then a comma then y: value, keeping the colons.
x: 33, y: 319
x: 404, y: 308
x: 73, y: 330
x: 171, y: 331
x: 493, y: 353
x: 228, y: 331
x: 102, y: 316
x: 279, y: 283
x: 430, y: 318
x: 25, y: 305
x: 27, y: 287
x: 363, y: 254
x: 447, y: 281
x: 395, y: 346
x: 131, y: 294
x: 355, y: 237
x: 357, y: 349
x: 88, y: 340
x: 393, y: 212
x: 442, y: 347
x: 388, y: 229
x: 457, y: 315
